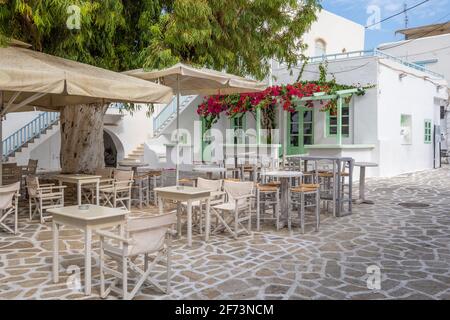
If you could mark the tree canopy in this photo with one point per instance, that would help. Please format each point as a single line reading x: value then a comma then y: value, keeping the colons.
x: 239, y: 36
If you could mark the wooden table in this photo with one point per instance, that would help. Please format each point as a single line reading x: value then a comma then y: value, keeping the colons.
x: 79, y: 180
x: 186, y: 194
x: 95, y: 217
x: 285, y: 177
x: 362, y: 181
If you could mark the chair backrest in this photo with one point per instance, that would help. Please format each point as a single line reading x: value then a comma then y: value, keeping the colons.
x: 105, y: 173
x: 32, y: 185
x: 148, y: 233
x: 213, y: 185
x: 238, y: 189
x: 122, y: 175
x: 32, y: 166
x: 11, y: 173
x: 7, y: 194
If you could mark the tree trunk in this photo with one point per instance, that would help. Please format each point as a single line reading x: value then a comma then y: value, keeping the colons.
x: 82, y: 148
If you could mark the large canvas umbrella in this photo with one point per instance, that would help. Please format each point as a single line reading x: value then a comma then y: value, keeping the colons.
x: 197, y: 81
x: 31, y: 80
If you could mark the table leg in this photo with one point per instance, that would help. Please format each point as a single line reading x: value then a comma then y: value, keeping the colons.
x: 189, y: 222
x: 284, y: 203
x: 160, y: 205
x: 97, y: 192
x: 207, y: 219
x: 79, y: 192
x: 55, y: 229
x: 362, y: 178
x: 87, y: 261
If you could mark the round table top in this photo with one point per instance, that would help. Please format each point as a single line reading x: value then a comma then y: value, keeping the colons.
x: 209, y: 169
x: 283, y: 174
x: 366, y: 164
x: 132, y: 164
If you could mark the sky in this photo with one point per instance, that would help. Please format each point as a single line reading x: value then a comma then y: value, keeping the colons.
x: 367, y: 12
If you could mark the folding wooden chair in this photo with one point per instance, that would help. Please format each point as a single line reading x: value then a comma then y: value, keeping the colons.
x: 143, y: 236
x: 236, y: 210
x: 117, y: 192
x: 9, y: 199
x: 42, y: 197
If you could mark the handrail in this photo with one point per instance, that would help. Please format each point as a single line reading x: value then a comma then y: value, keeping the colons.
x: 28, y: 132
x: 373, y: 53
x: 169, y: 110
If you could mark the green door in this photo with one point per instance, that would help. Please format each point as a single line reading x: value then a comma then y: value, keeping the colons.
x: 300, y: 130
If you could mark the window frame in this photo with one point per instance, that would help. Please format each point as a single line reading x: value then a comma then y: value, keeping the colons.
x: 329, y: 125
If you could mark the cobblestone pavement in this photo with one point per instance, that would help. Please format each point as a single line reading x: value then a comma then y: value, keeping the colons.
x: 410, y: 243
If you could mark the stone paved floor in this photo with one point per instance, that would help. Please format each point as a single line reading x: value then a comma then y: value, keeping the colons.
x: 411, y: 246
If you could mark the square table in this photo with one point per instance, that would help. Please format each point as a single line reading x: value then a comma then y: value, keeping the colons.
x: 95, y: 217
x: 79, y: 180
x: 186, y: 194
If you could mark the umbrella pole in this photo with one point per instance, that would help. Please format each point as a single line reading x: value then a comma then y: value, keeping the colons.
x: 177, y: 168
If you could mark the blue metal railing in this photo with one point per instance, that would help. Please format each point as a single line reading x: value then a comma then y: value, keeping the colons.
x: 169, y: 110
x: 28, y: 132
x: 373, y: 53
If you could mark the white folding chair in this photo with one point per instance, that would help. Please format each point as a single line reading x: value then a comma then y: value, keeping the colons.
x: 143, y: 236
x: 117, y: 191
x: 42, y: 197
x: 89, y: 191
x: 9, y: 199
x: 238, y: 209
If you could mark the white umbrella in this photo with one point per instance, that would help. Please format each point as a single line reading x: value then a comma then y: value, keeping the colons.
x: 201, y: 81
x: 31, y: 79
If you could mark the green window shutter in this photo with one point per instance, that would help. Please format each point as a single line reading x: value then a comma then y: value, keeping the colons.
x: 428, y: 132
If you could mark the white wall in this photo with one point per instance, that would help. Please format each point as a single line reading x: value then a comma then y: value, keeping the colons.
x: 48, y: 153
x: 132, y: 130
x: 424, y: 49
x: 16, y: 120
x: 410, y: 95
x: 338, y: 33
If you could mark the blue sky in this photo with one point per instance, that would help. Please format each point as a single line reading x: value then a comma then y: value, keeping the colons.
x: 366, y: 11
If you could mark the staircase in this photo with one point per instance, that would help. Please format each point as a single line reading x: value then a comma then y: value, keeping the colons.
x: 26, y: 135
x: 169, y: 114
x: 136, y: 154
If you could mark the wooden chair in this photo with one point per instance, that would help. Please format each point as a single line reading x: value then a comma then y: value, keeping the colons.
x: 304, y: 196
x: 89, y: 191
x: 11, y: 173
x: 141, y: 189
x: 42, y: 197
x: 9, y: 199
x: 268, y: 195
x: 117, y: 191
x: 143, y: 237
x: 236, y: 210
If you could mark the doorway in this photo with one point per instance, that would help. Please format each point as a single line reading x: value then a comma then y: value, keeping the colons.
x: 300, y: 130
x: 110, y: 150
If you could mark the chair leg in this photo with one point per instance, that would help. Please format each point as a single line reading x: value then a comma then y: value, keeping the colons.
x: 317, y: 210
x: 302, y: 212
x: 30, y: 206
x: 258, y: 212
x: 16, y: 216
x: 249, y: 217
x: 236, y: 223
x: 125, y: 278
x: 102, y: 271
x: 169, y: 266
